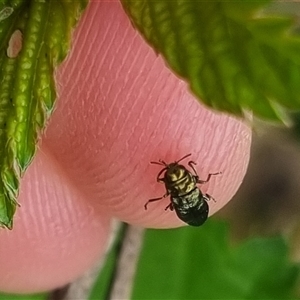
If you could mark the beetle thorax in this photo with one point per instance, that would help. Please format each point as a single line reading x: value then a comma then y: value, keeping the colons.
x: 175, y: 172
x: 178, y: 180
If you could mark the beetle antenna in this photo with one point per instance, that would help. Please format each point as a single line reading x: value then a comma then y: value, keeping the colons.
x: 161, y: 163
x: 183, y: 158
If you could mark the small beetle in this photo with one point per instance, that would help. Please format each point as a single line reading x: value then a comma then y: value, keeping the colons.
x: 189, y: 202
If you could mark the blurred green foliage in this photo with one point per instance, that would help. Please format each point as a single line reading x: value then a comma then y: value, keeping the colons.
x: 22, y: 297
x: 200, y: 263
x: 105, y: 280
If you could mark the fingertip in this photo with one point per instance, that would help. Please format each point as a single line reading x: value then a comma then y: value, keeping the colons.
x: 119, y: 124
x: 56, y: 236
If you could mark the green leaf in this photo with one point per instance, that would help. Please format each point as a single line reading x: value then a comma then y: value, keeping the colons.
x: 103, y: 284
x: 200, y: 263
x: 23, y: 297
x: 27, y: 90
x: 233, y: 54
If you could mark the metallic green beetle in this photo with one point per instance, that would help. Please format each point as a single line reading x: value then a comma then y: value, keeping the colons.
x: 189, y: 202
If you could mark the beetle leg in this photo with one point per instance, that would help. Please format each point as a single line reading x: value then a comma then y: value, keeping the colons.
x: 158, y: 178
x: 209, y: 197
x: 170, y: 207
x: 208, y: 178
x: 155, y: 199
x: 191, y: 163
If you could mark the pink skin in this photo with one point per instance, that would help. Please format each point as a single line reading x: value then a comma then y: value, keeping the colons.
x: 119, y: 108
